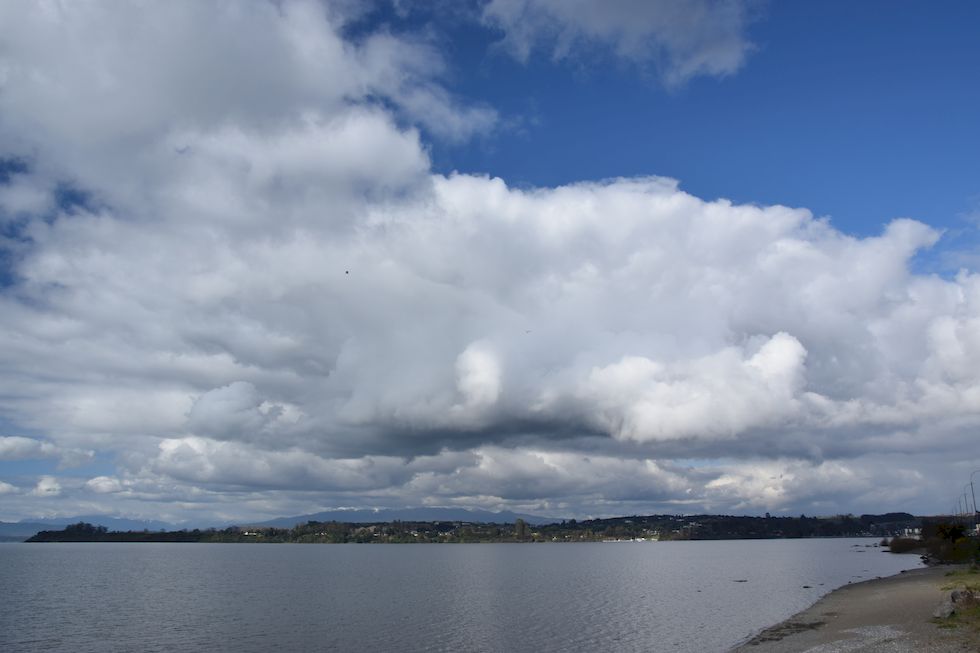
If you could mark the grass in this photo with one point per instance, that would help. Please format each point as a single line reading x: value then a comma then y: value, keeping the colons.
x: 967, y: 615
x: 966, y: 618
x: 968, y: 579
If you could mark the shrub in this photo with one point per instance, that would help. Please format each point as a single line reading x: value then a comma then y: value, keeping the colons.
x: 904, y: 544
x: 960, y: 550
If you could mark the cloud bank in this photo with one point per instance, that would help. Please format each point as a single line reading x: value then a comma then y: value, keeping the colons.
x: 232, y: 271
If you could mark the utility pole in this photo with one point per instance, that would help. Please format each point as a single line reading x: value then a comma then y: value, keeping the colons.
x: 974, y: 498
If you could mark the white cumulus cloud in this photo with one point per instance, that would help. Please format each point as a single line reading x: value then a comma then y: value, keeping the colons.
x: 262, y: 293
x: 717, y: 395
x: 103, y: 485
x: 15, y: 447
x: 47, y: 486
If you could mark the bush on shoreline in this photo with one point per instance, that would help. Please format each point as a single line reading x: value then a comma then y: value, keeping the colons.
x: 904, y: 544
x: 949, y: 542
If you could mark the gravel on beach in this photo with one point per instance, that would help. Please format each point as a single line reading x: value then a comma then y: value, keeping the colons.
x: 885, y: 615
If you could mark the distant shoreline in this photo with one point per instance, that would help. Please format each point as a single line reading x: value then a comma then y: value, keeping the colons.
x: 502, y: 541
x: 630, y: 528
x: 895, y: 609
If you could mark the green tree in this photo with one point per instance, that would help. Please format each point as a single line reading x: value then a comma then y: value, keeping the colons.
x: 520, y: 529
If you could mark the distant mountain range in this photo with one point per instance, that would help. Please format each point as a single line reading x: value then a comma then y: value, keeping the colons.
x: 19, y: 531
x: 407, y: 514
x: 22, y: 530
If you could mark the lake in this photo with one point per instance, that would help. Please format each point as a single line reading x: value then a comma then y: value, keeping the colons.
x: 663, y: 596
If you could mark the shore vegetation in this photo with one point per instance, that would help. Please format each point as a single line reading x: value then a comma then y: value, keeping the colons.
x: 649, y: 528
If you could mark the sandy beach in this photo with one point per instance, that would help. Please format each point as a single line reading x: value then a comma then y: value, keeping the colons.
x: 890, y: 615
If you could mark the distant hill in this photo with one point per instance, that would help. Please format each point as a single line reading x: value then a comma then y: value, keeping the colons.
x: 889, y: 517
x: 20, y: 531
x: 391, y: 526
x: 112, y: 523
x: 407, y: 514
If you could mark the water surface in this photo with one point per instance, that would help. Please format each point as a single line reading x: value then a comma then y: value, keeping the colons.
x: 664, y: 596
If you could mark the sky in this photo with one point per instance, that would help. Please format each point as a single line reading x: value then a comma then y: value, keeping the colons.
x: 562, y: 257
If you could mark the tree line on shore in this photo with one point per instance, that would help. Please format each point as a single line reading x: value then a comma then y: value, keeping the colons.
x: 644, y: 528
x: 940, y: 541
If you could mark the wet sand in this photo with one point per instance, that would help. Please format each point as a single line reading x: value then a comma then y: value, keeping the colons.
x: 886, y: 615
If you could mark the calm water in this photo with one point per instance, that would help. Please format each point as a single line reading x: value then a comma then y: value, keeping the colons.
x: 665, y: 596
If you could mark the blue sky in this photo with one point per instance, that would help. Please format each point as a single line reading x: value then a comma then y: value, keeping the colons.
x: 557, y: 256
x: 862, y: 112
